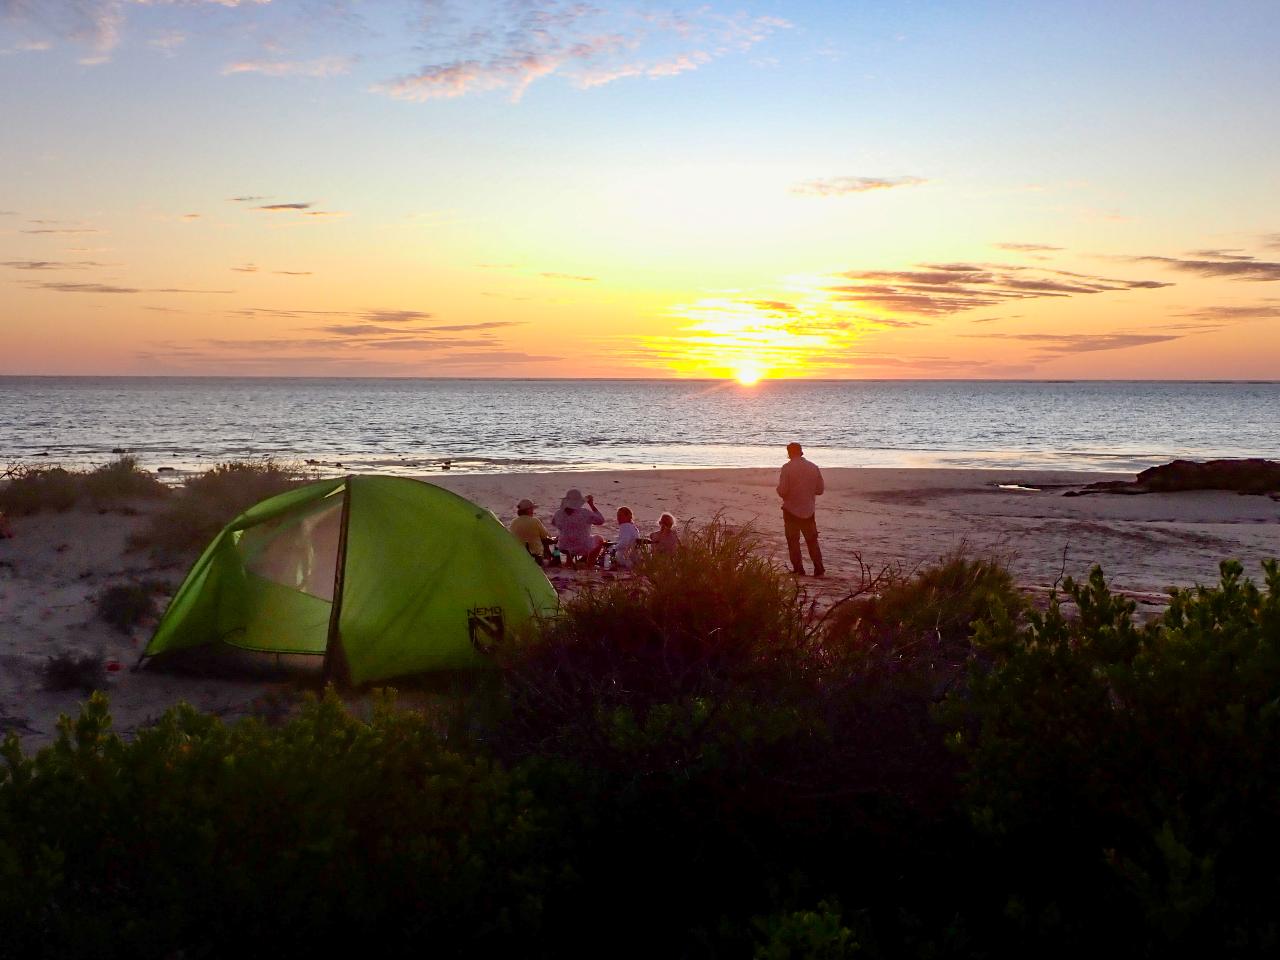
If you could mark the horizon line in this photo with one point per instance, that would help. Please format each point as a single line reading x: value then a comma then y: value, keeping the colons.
x: 719, y: 380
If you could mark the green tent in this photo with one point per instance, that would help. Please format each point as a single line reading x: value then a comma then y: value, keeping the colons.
x: 383, y: 576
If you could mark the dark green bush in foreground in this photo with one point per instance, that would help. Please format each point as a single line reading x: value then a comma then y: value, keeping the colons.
x: 1130, y: 776
x: 665, y: 774
x: 201, y: 839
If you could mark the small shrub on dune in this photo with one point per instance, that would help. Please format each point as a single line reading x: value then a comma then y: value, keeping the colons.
x: 126, y: 605
x: 35, y: 489
x: 209, y: 501
x: 120, y: 481
x: 72, y: 671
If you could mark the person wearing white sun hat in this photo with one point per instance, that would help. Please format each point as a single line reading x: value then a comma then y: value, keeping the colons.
x: 575, y: 518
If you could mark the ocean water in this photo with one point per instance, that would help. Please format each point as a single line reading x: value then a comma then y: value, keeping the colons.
x: 415, y: 426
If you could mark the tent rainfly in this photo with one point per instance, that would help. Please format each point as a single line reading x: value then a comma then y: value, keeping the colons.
x: 383, y: 576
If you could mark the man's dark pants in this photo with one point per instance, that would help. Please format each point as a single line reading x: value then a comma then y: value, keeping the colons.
x: 794, y: 527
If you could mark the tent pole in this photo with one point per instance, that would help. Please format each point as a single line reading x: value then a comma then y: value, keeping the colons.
x: 334, y: 661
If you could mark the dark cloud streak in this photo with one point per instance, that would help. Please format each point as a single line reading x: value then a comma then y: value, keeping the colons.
x: 1235, y: 269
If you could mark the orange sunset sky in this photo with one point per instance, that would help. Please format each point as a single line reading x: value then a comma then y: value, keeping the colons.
x: 547, y: 189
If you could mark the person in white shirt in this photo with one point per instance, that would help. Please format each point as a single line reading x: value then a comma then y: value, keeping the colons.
x: 624, y: 548
x: 799, y: 483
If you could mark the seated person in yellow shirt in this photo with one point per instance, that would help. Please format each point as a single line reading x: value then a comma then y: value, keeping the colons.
x: 529, y: 530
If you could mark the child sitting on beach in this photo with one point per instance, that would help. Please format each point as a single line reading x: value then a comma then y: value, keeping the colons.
x: 624, y: 550
x: 665, y: 540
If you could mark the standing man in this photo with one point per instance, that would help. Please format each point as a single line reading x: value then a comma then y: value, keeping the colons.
x: 799, y: 483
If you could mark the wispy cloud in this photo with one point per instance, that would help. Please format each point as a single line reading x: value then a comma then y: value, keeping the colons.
x: 1230, y: 313
x: 97, y: 25
x: 1027, y: 247
x: 844, y: 186
x: 319, y: 67
x: 569, y: 276
x: 277, y: 207
x: 62, y: 231
x: 1061, y: 344
x: 24, y: 46
x: 114, y: 289
x: 246, y: 199
x: 355, y: 339
x: 1219, y: 254
x: 1233, y: 268
x: 51, y: 264
x: 396, y: 316
x: 495, y: 45
x: 168, y: 41
x: 939, y: 289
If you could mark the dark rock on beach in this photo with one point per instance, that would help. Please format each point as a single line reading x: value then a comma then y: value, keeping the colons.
x: 1252, y: 476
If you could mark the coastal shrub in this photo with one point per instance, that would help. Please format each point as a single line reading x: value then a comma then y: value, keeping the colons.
x: 699, y: 715
x: 816, y: 934
x: 201, y: 839
x: 694, y: 628
x: 126, y: 605
x: 207, y: 502
x: 656, y: 711
x: 889, y: 655
x: 937, y: 604
x: 1126, y: 777
x: 34, y: 489
x: 119, y: 481
x: 73, y: 671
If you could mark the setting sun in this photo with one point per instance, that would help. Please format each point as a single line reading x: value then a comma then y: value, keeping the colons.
x: 748, y: 375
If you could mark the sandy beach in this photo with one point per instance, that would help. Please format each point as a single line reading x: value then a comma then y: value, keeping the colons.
x: 55, y: 566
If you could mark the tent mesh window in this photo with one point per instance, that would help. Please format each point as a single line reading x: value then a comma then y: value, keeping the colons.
x: 299, y: 550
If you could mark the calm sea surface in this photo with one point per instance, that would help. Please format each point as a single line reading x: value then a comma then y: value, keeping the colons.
x: 413, y: 426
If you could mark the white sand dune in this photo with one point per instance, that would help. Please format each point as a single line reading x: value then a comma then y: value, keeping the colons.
x: 56, y: 564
